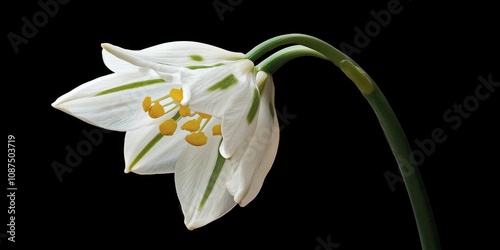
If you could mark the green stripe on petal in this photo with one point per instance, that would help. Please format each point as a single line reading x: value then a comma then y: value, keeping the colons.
x: 150, y: 145
x: 271, y: 109
x: 225, y: 83
x: 204, y: 66
x: 255, y: 106
x: 131, y: 86
x: 197, y: 58
x: 145, y: 150
x: 213, y: 178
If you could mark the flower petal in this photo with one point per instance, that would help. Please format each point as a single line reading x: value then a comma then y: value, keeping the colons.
x: 147, y: 151
x: 212, y: 88
x: 251, y: 169
x: 208, y: 87
x: 114, y: 101
x: 180, y: 54
x: 200, y: 177
x: 239, y: 121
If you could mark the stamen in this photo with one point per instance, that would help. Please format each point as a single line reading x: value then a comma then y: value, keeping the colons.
x: 156, y: 110
x: 217, y: 130
x: 197, y: 139
x: 162, y: 98
x: 146, y: 103
x: 168, y: 104
x: 206, y: 121
x: 176, y: 94
x: 168, y: 127
x: 203, y: 115
x: 192, y: 125
x: 184, y: 111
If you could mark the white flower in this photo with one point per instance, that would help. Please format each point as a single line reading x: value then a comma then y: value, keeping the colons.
x: 192, y: 109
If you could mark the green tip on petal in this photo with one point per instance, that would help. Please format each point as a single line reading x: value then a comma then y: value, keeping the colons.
x: 358, y: 76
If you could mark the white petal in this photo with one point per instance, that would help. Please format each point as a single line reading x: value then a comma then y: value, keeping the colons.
x: 96, y: 103
x: 116, y: 64
x: 131, y: 57
x: 193, y: 173
x: 209, y: 87
x: 212, y: 88
x: 149, y: 152
x: 239, y: 121
x: 180, y: 53
x: 258, y: 157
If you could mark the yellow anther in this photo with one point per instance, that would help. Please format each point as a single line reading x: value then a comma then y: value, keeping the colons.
x: 192, y: 125
x: 176, y: 94
x: 197, y: 139
x: 217, y: 130
x: 184, y: 111
x: 146, y: 103
x: 156, y: 110
x: 168, y: 127
x: 203, y: 115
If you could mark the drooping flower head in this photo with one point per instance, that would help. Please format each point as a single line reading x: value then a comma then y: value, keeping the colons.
x: 201, y: 112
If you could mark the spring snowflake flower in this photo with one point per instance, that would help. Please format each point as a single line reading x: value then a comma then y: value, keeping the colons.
x: 192, y: 109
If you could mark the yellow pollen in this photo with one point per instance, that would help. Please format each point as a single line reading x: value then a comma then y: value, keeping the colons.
x: 176, y: 94
x: 156, y: 110
x: 217, y: 130
x: 192, y: 125
x: 197, y: 139
x: 203, y: 115
x: 168, y: 127
x: 184, y: 111
x: 146, y: 103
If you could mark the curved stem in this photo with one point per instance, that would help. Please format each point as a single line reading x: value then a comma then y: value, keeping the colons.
x: 330, y: 52
x: 390, y: 125
x: 276, y: 60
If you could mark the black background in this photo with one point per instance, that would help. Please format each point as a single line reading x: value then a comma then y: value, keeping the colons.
x: 327, y: 182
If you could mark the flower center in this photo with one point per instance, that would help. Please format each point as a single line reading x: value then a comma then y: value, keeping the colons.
x: 172, y: 102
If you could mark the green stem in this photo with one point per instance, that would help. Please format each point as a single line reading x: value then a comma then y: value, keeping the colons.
x: 278, y: 59
x: 330, y: 52
x: 390, y: 125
